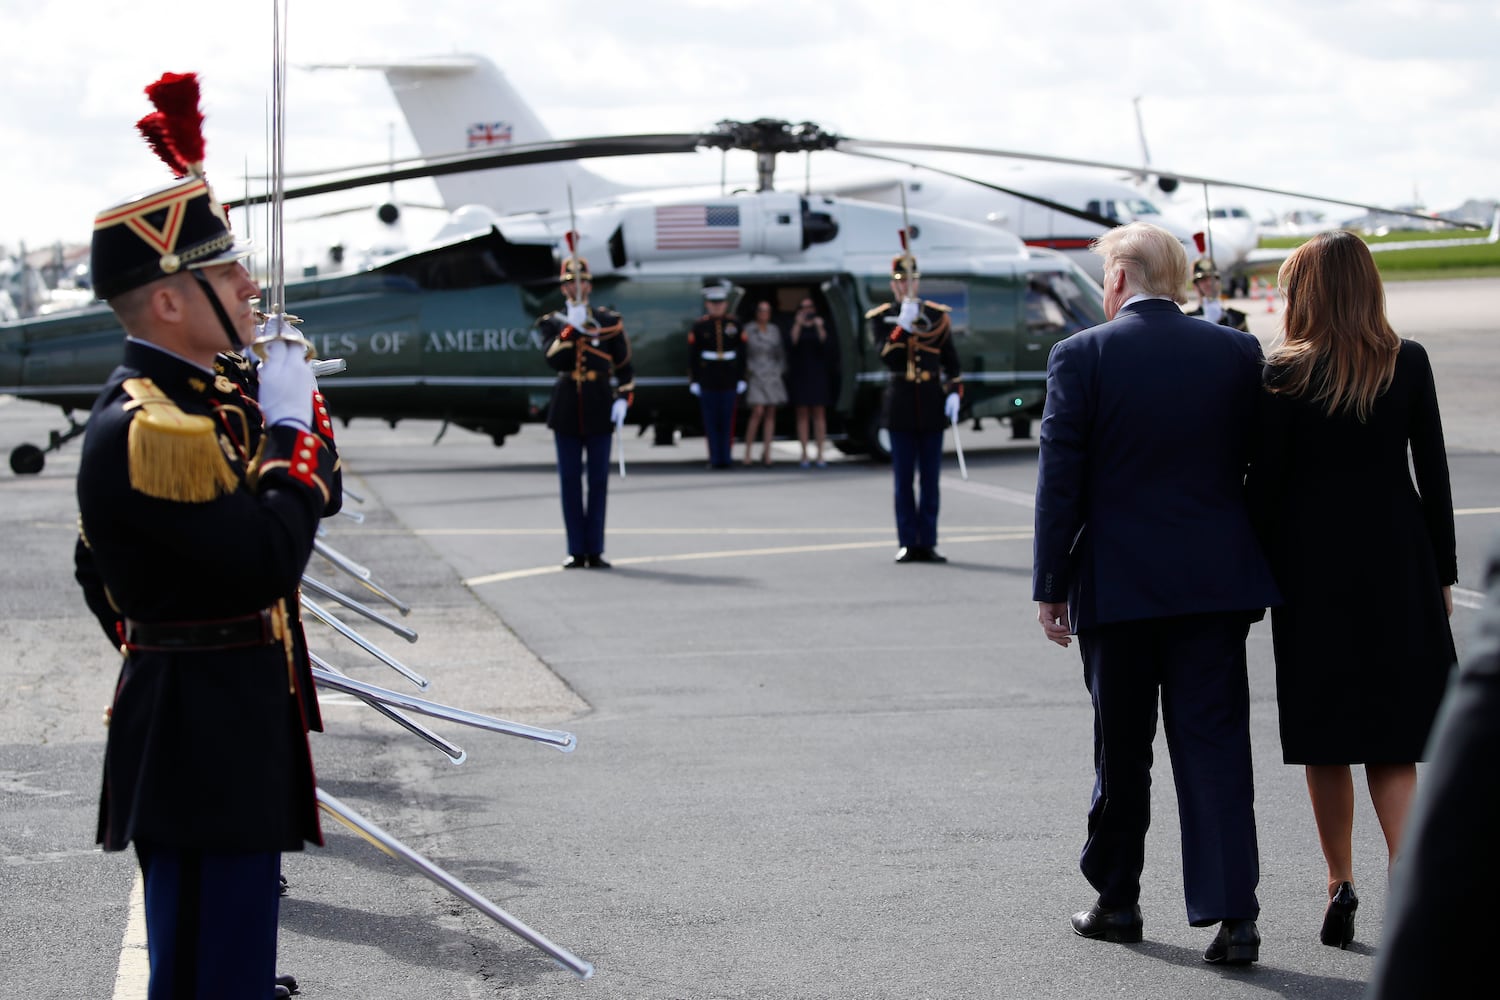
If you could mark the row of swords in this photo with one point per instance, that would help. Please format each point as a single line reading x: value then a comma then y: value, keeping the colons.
x: 395, y: 705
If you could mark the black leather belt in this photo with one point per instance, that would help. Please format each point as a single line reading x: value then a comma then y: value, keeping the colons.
x: 207, y: 636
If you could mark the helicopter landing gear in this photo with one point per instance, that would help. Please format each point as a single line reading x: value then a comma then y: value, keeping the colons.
x: 1020, y: 427
x: 665, y: 435
x: 28, y: 459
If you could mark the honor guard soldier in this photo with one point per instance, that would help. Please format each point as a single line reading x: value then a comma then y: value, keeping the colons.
x: 588, y: 348
x: 716, y: 367
x: 921, y: 399
x: 198, y: 506
x: 1206, y: 281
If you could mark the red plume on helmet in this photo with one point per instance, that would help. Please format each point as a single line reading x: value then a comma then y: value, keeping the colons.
x: 175, y: 96
x: 153, y: 129
x: 1199, y: 242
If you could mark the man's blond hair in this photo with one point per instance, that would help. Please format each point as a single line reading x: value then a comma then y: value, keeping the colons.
x: 1152, y: 259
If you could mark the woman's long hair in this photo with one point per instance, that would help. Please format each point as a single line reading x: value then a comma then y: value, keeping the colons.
x: 1337, y: 347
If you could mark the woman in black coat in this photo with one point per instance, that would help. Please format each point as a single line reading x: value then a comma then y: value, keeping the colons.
x: 1365, y: 559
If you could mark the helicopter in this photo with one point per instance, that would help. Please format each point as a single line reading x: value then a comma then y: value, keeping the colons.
x: 448, y: 332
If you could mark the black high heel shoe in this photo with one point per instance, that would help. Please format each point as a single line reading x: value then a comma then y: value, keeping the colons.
x: 1338, y: 921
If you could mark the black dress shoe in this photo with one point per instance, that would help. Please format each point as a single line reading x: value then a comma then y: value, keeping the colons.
x: 906, y: 554
x: 1237, y: 943
x: 279, y: 992
x: 282, y: 887
x: 288, y: 983
x: 1122, y: 926
x: 597, y: 562
x: 932, y: 555
x: 1338, y: 921
x: 575, y: 562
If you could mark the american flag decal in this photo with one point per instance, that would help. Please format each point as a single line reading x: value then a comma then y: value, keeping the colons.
x: 698, y: 227
x: 489, y: 134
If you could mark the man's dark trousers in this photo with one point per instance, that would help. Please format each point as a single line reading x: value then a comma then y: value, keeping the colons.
x: 1197, y: 665
x: 718, y: 425
x: 585, y: 522
x: 918, y: 453
x: 211, y: 921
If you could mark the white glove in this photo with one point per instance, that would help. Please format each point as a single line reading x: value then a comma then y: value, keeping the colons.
x: 740, y: 387
x: 578, y: 315
x: 693, y: 388
x: 1213, y: 310
x: 286, y: 385
x: 617, y: 412
x: 950, y: 407
x: 910, y: 309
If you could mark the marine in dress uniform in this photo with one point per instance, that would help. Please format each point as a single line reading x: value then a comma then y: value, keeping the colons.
x: 921, y: 399
x: 198, y: 504
x: 716, y: 372
x: 1206, y: 281
x: 588, y: 348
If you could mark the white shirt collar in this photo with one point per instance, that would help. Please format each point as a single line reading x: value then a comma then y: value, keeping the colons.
x: 1141, y: 298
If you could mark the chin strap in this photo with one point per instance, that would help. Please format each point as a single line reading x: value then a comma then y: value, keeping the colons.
x: 213, y: 300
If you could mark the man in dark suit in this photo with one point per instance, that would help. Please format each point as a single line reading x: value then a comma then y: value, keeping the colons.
x: 1144, y: 549
x: 1448, y: 870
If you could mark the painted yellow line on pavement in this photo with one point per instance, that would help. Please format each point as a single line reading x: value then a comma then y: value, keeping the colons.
x: 1461, y: 511
x: 1017, y: 534
x: 134, y: 971
x: 1466, y: 598
x: 769, y: 529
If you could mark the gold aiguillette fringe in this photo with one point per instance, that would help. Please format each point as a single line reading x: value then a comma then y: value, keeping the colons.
x: 174, y: 455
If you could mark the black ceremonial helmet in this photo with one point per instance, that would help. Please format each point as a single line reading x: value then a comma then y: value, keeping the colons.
x: 160, y: 233
x: 179, y: 227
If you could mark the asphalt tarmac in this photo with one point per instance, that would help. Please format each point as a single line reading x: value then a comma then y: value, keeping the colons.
x: 802, y: 771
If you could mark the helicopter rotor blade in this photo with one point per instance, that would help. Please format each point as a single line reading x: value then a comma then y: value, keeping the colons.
x: 1077, y: 213
x: 516, y: 156
x: 850, y: 145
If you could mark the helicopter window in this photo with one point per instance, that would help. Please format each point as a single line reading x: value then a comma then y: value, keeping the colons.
x: 1056, y: 306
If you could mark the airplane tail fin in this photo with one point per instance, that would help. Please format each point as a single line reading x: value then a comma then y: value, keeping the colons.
x: 458, y: 103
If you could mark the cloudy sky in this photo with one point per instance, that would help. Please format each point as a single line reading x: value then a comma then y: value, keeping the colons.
x: 1377, y: 100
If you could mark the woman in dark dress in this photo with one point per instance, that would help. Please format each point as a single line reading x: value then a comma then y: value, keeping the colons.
x: 1365, y: 559
x: 812, y: 363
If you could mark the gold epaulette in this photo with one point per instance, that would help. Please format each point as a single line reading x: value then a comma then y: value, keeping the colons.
x: 937, y: 305
x: 174, y: 455
x: 884, y: 307
x: 558, y: 344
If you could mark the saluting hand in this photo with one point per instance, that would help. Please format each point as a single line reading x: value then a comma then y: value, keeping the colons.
x: 1054, y: 620
x: 908, y: 314
x: 286, y: 385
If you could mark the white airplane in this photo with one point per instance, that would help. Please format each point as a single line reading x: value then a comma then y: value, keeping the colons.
x: 458, y: 105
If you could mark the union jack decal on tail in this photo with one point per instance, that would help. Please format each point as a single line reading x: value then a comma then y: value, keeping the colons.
x: 489, y: 134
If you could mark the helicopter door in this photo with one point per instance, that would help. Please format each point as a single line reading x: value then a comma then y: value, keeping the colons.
x: 843, y: 311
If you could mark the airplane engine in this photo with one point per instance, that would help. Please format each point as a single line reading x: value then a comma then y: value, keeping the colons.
x: 766, y: 223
